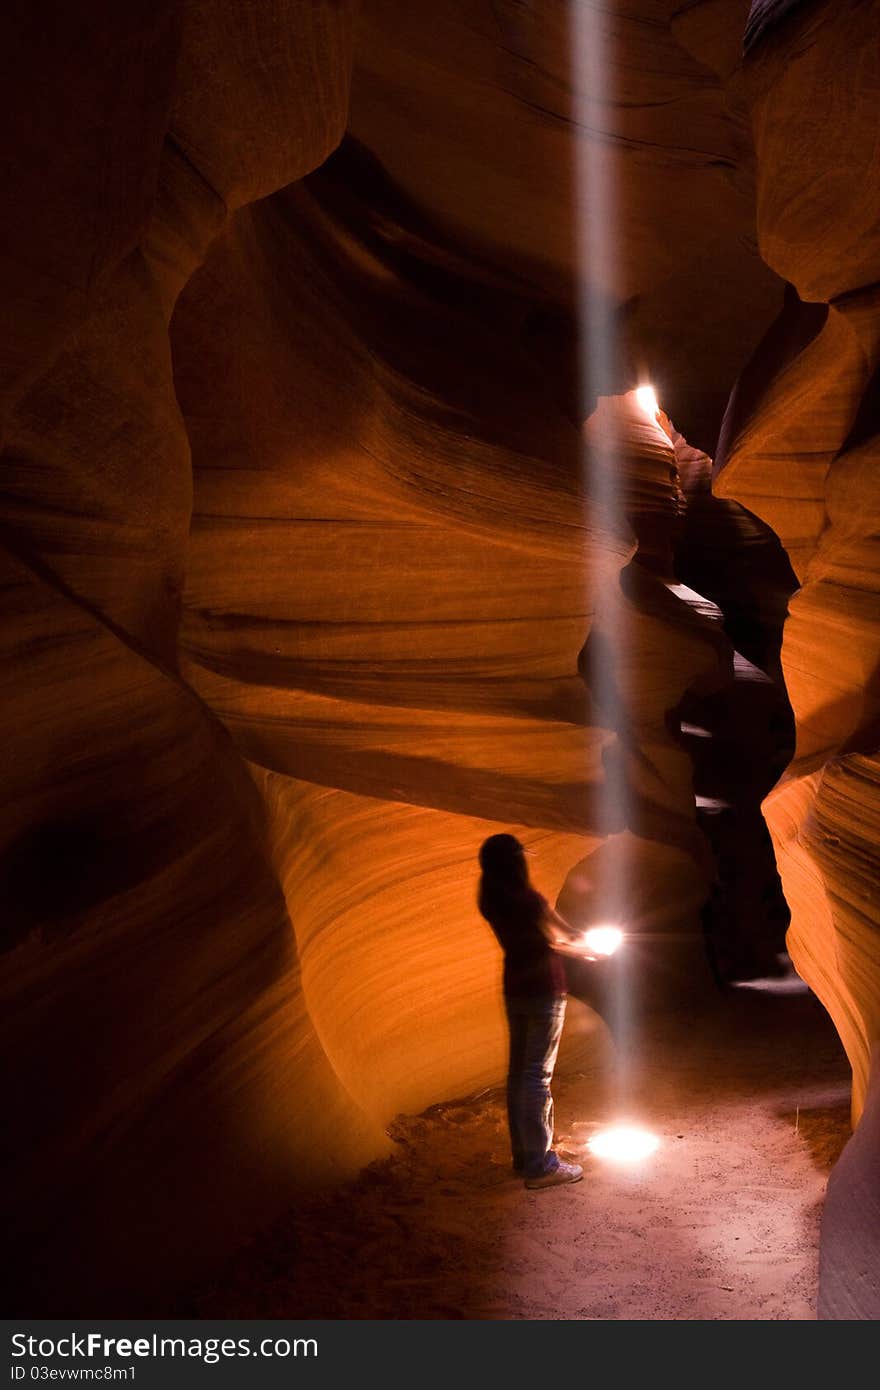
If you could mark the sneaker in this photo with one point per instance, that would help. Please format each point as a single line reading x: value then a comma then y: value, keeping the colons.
x: 563, y: 1172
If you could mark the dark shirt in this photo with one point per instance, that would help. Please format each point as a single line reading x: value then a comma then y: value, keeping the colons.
x: 531, y: 966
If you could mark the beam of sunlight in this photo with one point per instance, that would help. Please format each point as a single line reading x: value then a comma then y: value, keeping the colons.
x: 600, y: 293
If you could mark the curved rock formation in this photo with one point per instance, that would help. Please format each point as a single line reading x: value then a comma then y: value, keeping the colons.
x: 816, y: 417
x: 483, y: 114
x: 151, y: 996
x: 801, y: 447
x: 423, y: 649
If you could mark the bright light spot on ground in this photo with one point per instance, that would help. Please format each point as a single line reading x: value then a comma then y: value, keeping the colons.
x: 696, y: 729
x: 623, y: 1144
x: 603, y: 941
x: 647, y: 400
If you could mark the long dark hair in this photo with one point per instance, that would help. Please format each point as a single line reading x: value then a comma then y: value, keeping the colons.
x: 505, y: 876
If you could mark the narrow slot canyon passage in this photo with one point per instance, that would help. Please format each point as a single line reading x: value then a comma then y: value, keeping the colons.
x: 436, y: 432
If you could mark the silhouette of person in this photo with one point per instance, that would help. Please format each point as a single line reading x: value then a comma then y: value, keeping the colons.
x: 532, y: 935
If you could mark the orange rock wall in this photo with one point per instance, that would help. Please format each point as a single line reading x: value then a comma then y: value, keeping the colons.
x: 802, y: 445
x: 151, y: 997
x: 801, y: 450
x: 483, y: 113
x: 387, y: 599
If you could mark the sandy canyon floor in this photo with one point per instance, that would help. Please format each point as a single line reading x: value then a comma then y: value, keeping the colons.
x: 751, y: 1106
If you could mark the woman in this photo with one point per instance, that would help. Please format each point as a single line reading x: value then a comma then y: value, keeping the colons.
x: 531, y: 935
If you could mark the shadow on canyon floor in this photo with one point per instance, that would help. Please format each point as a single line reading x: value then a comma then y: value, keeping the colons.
x: 751, y: 1104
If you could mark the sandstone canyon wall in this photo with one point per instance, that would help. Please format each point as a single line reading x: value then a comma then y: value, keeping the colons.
x: 151, y: 998
x: 800, y: 448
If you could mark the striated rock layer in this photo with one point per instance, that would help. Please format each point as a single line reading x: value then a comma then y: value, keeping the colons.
x: 801, y: 445
x: 526, y: 132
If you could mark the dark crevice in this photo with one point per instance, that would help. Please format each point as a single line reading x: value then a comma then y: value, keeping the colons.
x: 741, y: 738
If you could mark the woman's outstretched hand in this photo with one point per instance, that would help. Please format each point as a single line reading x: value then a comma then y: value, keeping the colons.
x: 575, y: 947
x: 565, y: 938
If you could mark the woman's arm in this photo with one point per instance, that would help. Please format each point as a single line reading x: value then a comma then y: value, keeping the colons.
x: 563, y: 937
x: 556, y: 927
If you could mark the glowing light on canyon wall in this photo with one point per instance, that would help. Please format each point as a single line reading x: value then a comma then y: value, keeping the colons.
x: 647, y: 399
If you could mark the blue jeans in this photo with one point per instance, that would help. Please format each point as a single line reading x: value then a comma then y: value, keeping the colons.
x: 535, y: 1029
